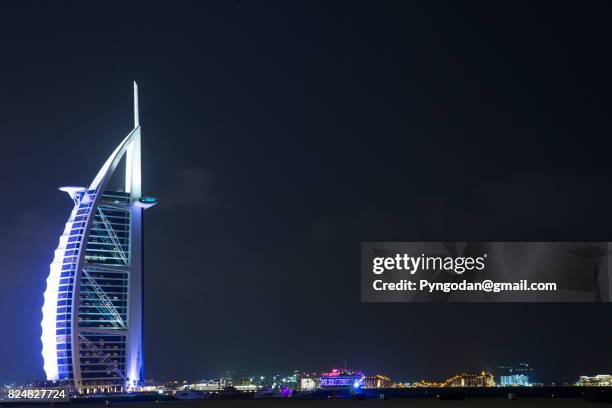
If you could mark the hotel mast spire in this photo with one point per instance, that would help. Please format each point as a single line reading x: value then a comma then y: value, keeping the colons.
x: 132, y: 157
x: 136, y: 119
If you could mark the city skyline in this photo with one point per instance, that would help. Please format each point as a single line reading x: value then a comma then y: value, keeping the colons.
x: 279, y: 136
x: 520, y: 375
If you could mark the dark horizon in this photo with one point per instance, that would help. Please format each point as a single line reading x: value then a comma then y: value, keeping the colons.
x: 279, y: 137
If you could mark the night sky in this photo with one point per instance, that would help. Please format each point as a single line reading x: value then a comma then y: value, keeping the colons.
x: 280, y: 135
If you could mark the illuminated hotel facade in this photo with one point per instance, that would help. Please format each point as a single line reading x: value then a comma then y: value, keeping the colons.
x: 92, y: 326
x: 342, y: 378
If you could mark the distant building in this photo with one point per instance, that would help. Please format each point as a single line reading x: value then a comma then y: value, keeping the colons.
x: 204, y: 386
x: 484, y: 379
x: 519, y: 375
x: 241, y: 380
x: 308, y: 383
x: 516, y: 380
x: 600, y: 380
x: 426, y: 383
x: 276, y: 380
x: 377, y: 381
x: 248, y: 387
x: 343, y: 378
x: 290, y: 380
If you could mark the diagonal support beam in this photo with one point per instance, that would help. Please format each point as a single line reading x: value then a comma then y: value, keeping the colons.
x: 101, y: 355
x: 112, y: 237
x: 105, y: 303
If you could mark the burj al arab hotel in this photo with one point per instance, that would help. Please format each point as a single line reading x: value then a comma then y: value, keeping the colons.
x: 92, y: 326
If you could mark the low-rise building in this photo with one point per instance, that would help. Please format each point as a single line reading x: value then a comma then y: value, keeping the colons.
x: 515, y: 380
x: 377, y: 381
x: 308, y: 383
x: 343, y: 378
x: 484, y: 379
x: 600, y: 380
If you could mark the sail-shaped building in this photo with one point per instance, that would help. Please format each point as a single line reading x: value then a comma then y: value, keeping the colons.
x: 92, y: 326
